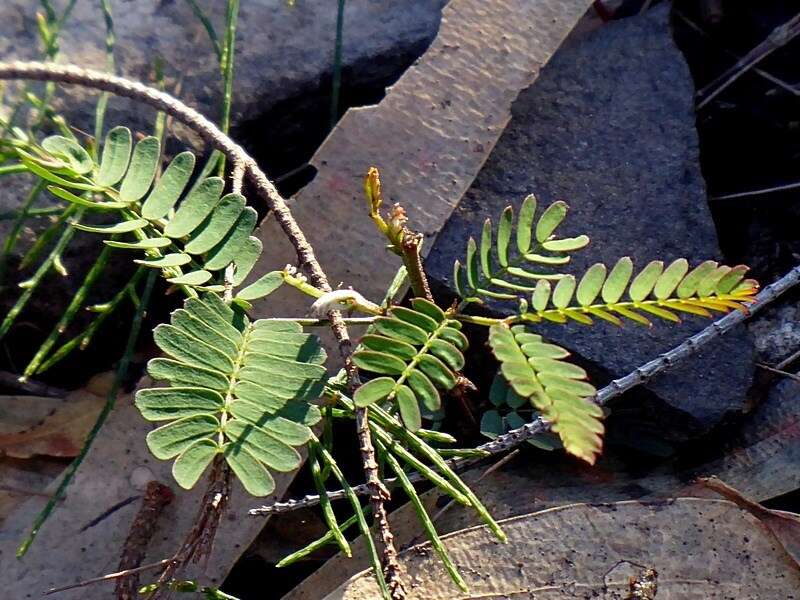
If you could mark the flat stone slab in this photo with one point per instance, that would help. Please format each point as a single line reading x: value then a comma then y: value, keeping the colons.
x: 609, y: 128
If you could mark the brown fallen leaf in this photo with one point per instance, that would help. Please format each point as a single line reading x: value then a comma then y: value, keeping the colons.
x: 785, y: 526
x: 60, y: 432
x: 699, y: 548
x: 18, y: 413
x: 22, y: 479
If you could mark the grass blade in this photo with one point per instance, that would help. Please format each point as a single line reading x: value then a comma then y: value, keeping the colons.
x: 16, y: 227
x: 424, y: 519
x: 362, y: 522
x: 325, y: 503
x: 33, y: 283
x: 69, y: 313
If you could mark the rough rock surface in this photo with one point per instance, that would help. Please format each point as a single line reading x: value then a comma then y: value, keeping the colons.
x: 609, y: 127
x: 776, y: 334
x: 281, y: 51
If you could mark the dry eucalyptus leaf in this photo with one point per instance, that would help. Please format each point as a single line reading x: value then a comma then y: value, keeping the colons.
x: 60, y: 433
x: 699, y: 548
x: 18, y: 413
x: 784, y: 525
x: 22, y: 479
x: 96, y: 515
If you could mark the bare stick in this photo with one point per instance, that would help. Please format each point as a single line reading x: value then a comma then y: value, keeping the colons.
x: 780, y: 36
x: 761, y: 72
x: 109, y: 577
x: 238, y: 177
x: 614, y: 389
x: 35, y: 388
x: 769, y: 190
x: 142, y: 529
x: 173, y: 107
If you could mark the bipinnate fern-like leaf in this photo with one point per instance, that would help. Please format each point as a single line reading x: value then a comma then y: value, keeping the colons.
x: 558, y: 389
x: 237, y: 388
x: 499, y: 269
x: 654, y: 291
x: 417, y: 351
x: 192, y: 232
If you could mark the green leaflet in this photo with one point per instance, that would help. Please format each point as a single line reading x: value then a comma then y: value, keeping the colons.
x: 217, y: 225
x: 195, y: 208
x: 246, y: 260
x: 654, y: 291
x: 116, y: 154
x: 124, y: 227
x: 554, y: 387
x: 212, y: 231
x: 69, y: 152
x: 215, y: 372
x: 226, y: 251
x: 420, y: 350
x: 493, y: 265
x: 80, y: 201
x: 169, y: 260
x: 141, y: 171
x: 169, y: 188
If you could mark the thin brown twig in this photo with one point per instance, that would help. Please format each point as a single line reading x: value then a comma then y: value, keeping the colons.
x: 788, y: 360
x: 237, y: 177
x: 69, y: 74
x: 109, y: 577
x: 156, y: 497
x: 198, y: 542
x: 778, y: 371
x: 769, y: 190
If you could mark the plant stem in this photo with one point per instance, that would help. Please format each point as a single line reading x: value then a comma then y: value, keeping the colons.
x: 102, y: 103
x: 326, y: 539
x: 46, y: 236
x: 378, y: 495
x: 208, y: 26
x: 359, y: 515
x: 111, y: 398
x: 16, y: 228
x: 33, y: 283
x: 82, y: 340
x: 226, y: 65
x: 410, y: 251
x: 337, y: 64
x: 327, y: 509
x: 424, y: 518
x: 69, y: 314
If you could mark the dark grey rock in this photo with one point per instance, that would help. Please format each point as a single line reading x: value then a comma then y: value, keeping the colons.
x: 776, y: 333
x: 282, y: 51
x: 609, y: 127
